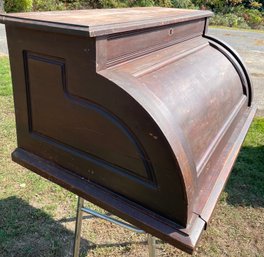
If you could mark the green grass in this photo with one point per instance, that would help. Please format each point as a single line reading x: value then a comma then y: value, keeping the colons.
x: 234, y: 28
x: 5, y: 88
x: 37, y: 216
x: 246, y: 183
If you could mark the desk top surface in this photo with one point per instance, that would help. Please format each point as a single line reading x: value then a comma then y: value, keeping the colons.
x: 105, y: 21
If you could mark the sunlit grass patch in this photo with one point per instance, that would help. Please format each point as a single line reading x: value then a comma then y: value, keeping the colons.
x: 5, y: 79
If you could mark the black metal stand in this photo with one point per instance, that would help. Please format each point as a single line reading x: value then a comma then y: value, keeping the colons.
x: 78, y: 228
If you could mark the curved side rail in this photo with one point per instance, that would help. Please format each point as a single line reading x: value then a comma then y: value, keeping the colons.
x: 239, y: 61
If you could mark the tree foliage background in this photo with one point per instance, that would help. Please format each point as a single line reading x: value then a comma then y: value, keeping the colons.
x: 232, y: 13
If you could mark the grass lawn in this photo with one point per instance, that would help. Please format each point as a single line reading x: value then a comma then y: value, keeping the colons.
x: 37, y: 216
x: 234, y: 28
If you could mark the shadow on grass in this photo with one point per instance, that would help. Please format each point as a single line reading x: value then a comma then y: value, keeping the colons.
x: 27, y: 231
x: 246, y: 183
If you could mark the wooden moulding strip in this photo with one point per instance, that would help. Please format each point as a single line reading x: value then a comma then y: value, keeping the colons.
x: 229, y: 154
x: 140, y: 217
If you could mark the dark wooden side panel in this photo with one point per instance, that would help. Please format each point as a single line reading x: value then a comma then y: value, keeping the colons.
x: 77, y: 122
x: 75, y: 118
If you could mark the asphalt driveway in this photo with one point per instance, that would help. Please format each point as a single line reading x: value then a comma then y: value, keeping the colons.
x: 3, y: 44
x: 249, y: 44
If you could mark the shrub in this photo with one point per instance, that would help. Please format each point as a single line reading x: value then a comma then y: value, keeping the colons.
x: 48, y: 5
x: 232, y: 19
x: 110, y: 3
x: 182, y: 4
x: 253, y: 18
x: 132, y: 3
x: 255, y: 4
x: 229, y: 20
x: 214, y: 5
x: 164, y: 3
x: 75, y: 4
x: 240, y: 17
x: 18, y: 5
x: 219, y: 19
x: 234, y: 2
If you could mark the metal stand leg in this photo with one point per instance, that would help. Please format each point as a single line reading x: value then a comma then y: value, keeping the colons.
x: 152, y: 245
x: 78, y: 228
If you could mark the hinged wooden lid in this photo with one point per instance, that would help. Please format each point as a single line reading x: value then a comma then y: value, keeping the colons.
x: 98, y: 22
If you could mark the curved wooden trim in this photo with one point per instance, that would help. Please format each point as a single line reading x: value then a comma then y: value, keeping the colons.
x: 239, y: 64
x: 179, y: 149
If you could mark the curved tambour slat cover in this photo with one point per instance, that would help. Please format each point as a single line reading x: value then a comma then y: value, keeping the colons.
x: 136, y: 110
